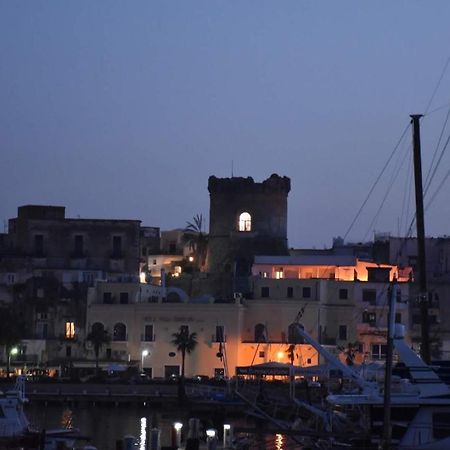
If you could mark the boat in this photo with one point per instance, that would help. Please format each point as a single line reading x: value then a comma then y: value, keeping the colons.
x: 15, y: 428
x: 420, y: 403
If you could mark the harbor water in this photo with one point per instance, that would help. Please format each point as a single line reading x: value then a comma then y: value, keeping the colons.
x: 106, y: 424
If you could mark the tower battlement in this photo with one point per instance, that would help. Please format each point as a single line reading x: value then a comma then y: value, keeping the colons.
x: 274, y: 183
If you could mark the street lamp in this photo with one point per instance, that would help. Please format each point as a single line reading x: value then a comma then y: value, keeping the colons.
x: 12, y: 352
x: 144, y: 354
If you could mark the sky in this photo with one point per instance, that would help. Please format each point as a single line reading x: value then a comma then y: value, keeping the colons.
x: 124, y: 109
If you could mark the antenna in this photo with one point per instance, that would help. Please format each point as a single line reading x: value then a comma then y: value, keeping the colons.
x: 232, y: 167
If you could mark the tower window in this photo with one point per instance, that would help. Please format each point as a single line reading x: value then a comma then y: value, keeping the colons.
x: 245, y: 222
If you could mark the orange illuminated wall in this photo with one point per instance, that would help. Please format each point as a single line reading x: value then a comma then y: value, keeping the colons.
x: 344, y: 273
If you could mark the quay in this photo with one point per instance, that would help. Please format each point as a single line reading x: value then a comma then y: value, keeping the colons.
x: 159, y: 395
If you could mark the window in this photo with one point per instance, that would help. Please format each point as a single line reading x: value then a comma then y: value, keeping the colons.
x: 107, y: 298
x: 148, y: 333
x: 117, y: 247
x: 398, y: 317
x: 290, y: 292
x: 378, y: 351
x: 261, y: 354
x: 123, y: 298
x: 279, y: 273
x: 68, y: 351
x: 369, y: 295
x: 70, y: 330
x: 260, y: 333
x: 39, y: 245
x: 369, y: 317
x: 78, y: 245
x: 154, y: 262
x: 265, y: 292
x: 306, y: 292
x: 119, y: 332
x: 343, y: 332
x: 343, y: 294
x: 108, y: 353
x: 245, y: 222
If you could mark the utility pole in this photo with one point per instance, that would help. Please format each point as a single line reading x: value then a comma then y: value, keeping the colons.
x: 423, y: 294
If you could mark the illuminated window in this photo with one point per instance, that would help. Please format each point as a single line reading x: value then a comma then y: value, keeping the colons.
x: 245, y: 222
x: 279, y: 273
x: 70, y: 330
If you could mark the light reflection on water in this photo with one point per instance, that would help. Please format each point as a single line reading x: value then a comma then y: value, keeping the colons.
x: 108, y: 424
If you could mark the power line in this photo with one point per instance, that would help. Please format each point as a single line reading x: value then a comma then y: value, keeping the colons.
x: 376, y: 181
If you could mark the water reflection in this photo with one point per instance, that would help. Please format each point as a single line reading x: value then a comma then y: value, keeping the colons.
x: 143, y: 435
x: 67, y: 418
x: 278, y: 442
x: 106, y: 425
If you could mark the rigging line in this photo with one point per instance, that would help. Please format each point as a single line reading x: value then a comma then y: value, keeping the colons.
x: 400, y: 162
x: 437, y: 190
x: 406, y: 195
x: 377, y: 180
x: 427, y: 181
x: 446, y: 105
x: 437, y: 85
x: 437, y: 164
x: 443, y: 180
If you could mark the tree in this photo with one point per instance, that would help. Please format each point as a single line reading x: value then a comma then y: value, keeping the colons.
x: 11, y: 332
x: 98, y: 337
x: 196, y: 239
x: 291, y: 353
x: 185, y: 343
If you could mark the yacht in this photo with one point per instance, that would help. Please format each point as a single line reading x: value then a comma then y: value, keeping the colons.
x: 15, y: 429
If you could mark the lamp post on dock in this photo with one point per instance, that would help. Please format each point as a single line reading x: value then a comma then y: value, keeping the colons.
x: 143, y: 355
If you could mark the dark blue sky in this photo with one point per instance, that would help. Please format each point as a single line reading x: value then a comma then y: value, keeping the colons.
x: 123, y: 109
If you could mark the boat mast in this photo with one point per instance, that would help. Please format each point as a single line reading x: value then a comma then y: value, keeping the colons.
x: 423, y: 295
x: 387, y: 427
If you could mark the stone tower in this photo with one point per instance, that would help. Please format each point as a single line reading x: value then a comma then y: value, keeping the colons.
x: 246, y: 219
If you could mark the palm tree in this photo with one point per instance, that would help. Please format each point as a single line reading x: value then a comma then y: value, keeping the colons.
x: 196, y: 239
x: 291, y: 353
x: 185, y: 343
x: 98, y: 337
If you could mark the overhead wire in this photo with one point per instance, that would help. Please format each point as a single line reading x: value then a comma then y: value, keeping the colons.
x: 432, y: 171
x: 394, y: 175
x: 376, y: 181
x: 437, y: 85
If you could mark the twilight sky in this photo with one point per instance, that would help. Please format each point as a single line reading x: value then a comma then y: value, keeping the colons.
x: 124, y: 109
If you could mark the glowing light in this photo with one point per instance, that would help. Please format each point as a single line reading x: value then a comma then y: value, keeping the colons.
x: 191, y: 258
x: 14, y: 351
x: 226, y: 426
x: 144, y: 354
x: 70, y: 330
x: 142, y: 277
x: 211, y: 433
x: 178, y: 426
x: 143, y: 435
x: 279, y: 442
x: 280, y: 355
